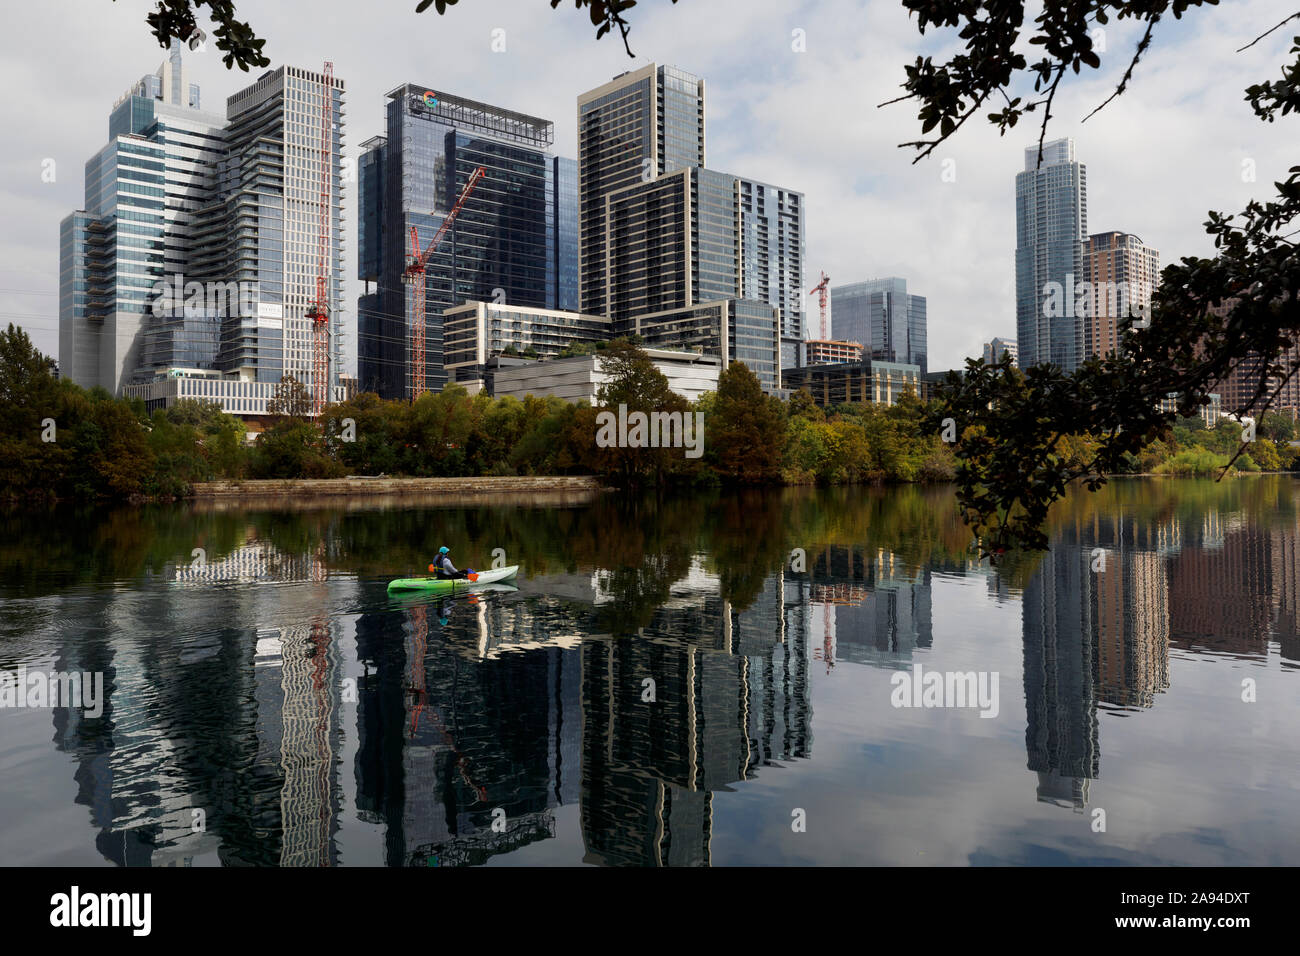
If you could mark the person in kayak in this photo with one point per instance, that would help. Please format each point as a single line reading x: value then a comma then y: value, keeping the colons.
x: 445, y: 569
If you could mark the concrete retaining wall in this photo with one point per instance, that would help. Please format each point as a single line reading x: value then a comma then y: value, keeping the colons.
x: 358, y: 487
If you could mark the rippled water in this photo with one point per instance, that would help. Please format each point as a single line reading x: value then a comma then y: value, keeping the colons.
x: 660, y: 686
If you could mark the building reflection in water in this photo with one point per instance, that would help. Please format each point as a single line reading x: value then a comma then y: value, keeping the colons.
x: 217, y: 744
x: 1110, y: 599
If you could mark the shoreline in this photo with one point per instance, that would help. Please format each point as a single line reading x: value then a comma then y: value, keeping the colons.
x: 452, y: 490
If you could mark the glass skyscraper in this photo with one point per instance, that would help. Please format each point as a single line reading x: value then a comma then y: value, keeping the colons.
x: 889, y: 323
x: 501, y: 248
x: 128, y: 237
x: 1051, y: 226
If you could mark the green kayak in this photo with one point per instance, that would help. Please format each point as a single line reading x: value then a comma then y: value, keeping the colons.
x: 443, y: 584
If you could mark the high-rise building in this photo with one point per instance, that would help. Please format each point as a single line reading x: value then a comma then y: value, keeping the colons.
x: 190, y: 272
x: 1123, y: 273
x: 269, y: 195
x: 772, y: 245
x: 1051, y: 225
x: 501, y: 248
x: 640, y: 125
x: 128, y: 237
x: 995, y: 349
x: 881, y: 314
x: 1247, y: 379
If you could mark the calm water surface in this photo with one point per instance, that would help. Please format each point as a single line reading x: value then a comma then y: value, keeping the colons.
x: 659, y: 687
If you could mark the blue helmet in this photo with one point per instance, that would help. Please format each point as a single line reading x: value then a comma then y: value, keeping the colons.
x: 443, y: 550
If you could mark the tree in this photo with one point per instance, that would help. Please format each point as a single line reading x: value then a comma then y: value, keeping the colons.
x: 631, y: 380
x: 178, y: 20
x: 290, y: 398
x: 746, y: 430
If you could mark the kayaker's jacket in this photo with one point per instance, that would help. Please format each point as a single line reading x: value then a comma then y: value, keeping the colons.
x: 444, y: 565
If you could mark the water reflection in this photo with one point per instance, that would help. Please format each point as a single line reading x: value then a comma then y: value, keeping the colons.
x: 269, y: 704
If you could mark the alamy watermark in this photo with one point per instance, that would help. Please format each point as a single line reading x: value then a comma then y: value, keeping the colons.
x: 651, y: 430
x: 174, y: 296
x: 1088, y: 299
x: 37, y: 689
x: 918, y: 688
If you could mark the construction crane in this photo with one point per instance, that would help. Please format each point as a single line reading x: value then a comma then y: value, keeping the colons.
x: 820, y: 288
x: 415, y: 274
x: 319, y: 313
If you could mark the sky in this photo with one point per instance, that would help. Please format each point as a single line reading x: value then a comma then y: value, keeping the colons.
x: 792, y: 93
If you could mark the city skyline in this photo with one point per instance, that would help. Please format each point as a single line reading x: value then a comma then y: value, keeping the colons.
x: 841, y: 195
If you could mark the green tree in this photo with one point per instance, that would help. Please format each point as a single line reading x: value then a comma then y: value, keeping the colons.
x: 631, y: 380
x: 746, y: 430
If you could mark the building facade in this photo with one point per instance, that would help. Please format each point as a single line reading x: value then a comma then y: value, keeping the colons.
x: 1123, y: 273
x: 1051, y: 225
x: 564, y: 179
x: 771, y: 259
x: 824, y: 351
x: 844, y: 383
x: 501, y: 247
x: 577, y: 379
x: 733, y: 330
x: 890, y: 323
x: 476, y: 331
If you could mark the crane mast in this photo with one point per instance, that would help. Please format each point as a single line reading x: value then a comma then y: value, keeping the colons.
x: 319, y: 312
x: 415, y: 273
x: 820, y: 288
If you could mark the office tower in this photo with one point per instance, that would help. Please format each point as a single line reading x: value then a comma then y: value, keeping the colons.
x: 881, y: 314
x: 565, y: 193
x: 1051, y: 224
x: 500, y: 248
x: 1123, y: 272
x: 640, y: 125
x: 676, y: 268
x: 191, y: 270
x: 994, y: 350
x: 128, y: 236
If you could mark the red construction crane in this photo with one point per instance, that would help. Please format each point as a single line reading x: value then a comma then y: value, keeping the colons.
x: 820, y: 288
x: 319, y: 313
x: 415, y: 273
